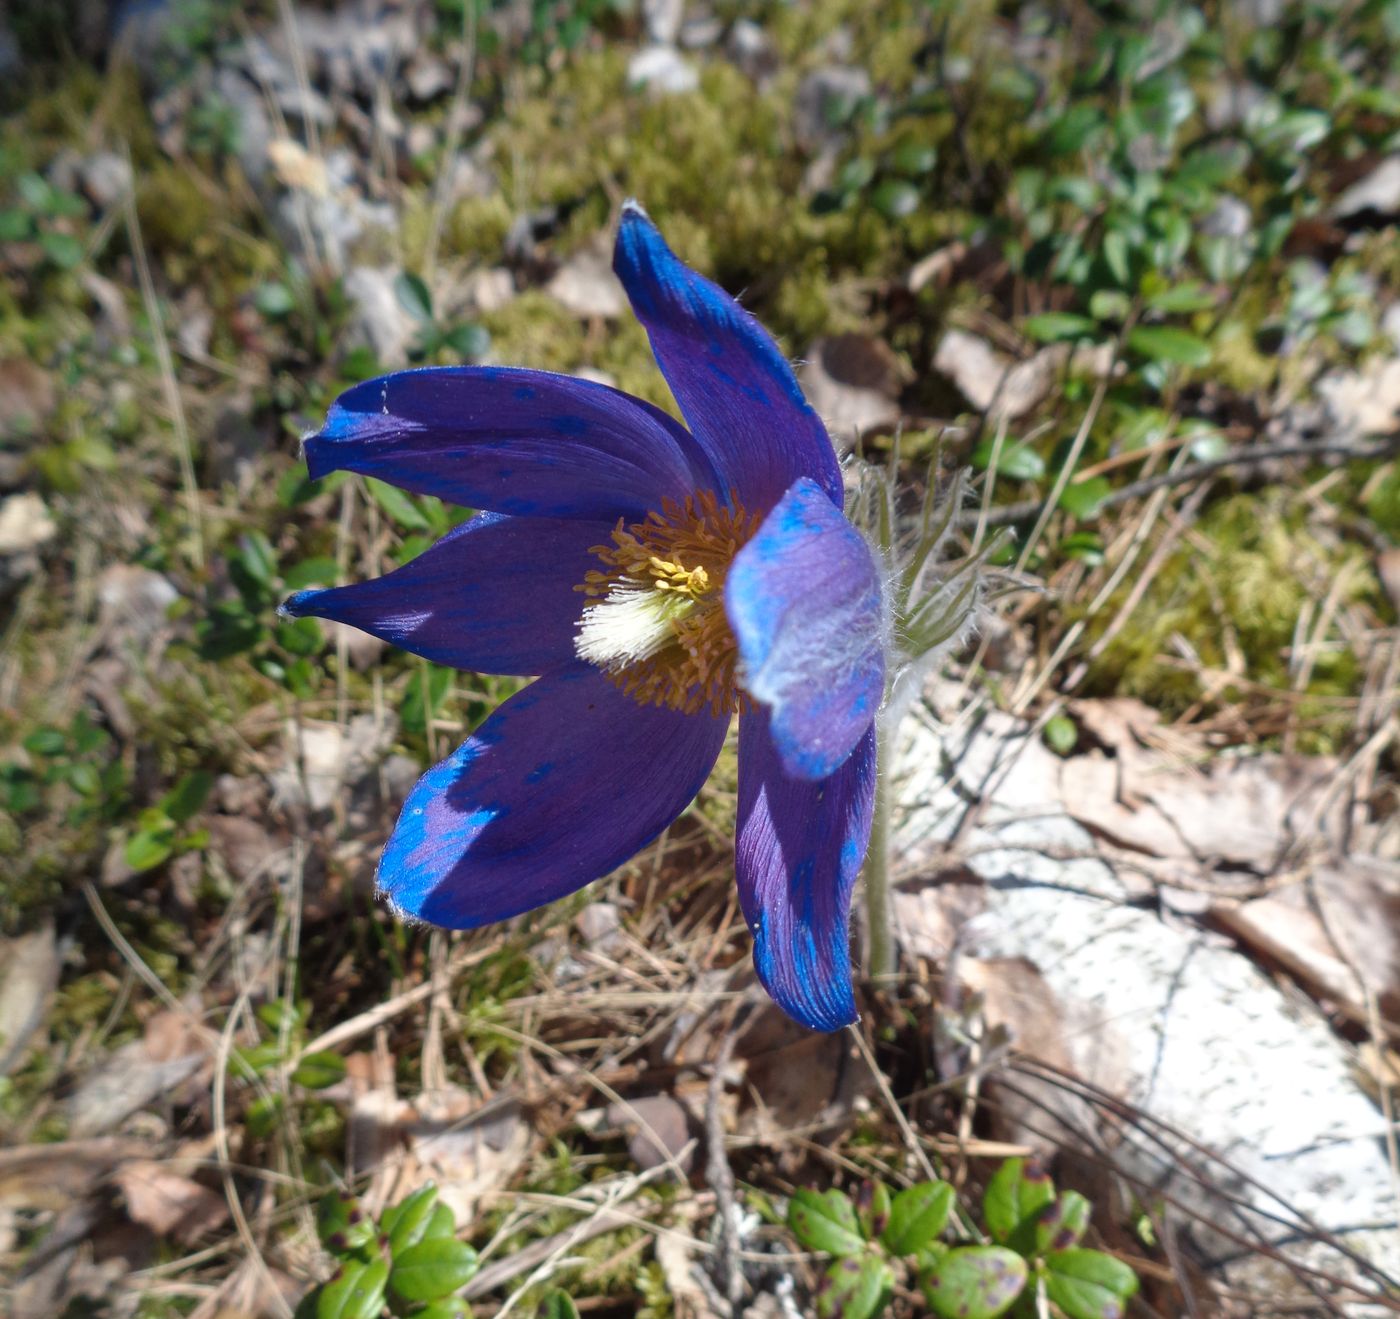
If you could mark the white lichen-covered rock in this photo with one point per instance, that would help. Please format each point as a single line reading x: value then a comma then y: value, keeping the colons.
x: 379, y: 321
x: 663, y: 70
x: 25, y: 524
x: 1163, y: 1014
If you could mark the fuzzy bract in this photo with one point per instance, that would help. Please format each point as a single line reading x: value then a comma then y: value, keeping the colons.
x: 655, y: 579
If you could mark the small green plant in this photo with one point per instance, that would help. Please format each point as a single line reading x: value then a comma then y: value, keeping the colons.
x: 1033, y: 1258
x: 285, y: 650
x: 460, y: 340
x: 409, y: 1263
x: 45, y: 215
x: 161, y: 830
x: 73, y: 770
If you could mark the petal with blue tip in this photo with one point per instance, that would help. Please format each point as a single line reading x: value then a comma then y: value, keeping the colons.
x: 736, y: 389
x: 804, y: 601
x: 512, y: 441
x: 495, y: 595
x: 797, y: 854
x: 561, y: 785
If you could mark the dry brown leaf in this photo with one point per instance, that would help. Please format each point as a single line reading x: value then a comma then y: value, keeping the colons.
x: 136, y: 1074
x: 27, y: 396
x: 1236, y: 812
x: 796, y: 1080
x: 296, y: 168
x: 658, y: 1128
x: 169, y: 1204
x: 853, y: 381
x: 991, y: 382
x: 1343, y: 923
x: 469, y: 1149
x: 53, y: 1176
x: 248, y: 1293
x: 689, y: 1298
x: 30, y: 974
x: 1388, y: 568
x: 937, y: 265
x: 1377, y: 1067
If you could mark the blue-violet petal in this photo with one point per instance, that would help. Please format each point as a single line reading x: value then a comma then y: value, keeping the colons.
x: 736, y: 389
x: 797, y: 854
x: 513, y: 441
x: 495, y: 595
x: 804, y: 601
x: 561, y: 785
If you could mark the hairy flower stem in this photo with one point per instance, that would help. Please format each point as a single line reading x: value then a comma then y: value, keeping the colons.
x: 879, y: 916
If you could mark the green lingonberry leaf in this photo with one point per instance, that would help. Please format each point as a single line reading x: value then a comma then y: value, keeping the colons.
x: 1017, y: 460
x: 1165, y: 343
x: 1019, y: 1190
x: 1061, y: 1223
x: 450, y: 1307
x: 318, y: 1070
x: 406, y: 1223
x: 443, y: 1223
x: 1087, y: 1284
x: 414, y: 297
x: 356, y: 1291
x: 558, y: 1305
x: 432, y: 1269
x: 825, y: 1220
x: 1053, y: 326
x: 918, y: 1214
x: 342, y: 1225
x: 855, y: 1288
x: 1084, y: 499
x: 872, y: 1208
x: 974, y: 1282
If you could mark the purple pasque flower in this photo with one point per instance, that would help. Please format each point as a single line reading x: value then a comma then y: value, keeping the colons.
x: 658, y: 580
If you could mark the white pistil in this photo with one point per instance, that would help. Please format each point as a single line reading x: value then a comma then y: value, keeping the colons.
x: 633, y: 622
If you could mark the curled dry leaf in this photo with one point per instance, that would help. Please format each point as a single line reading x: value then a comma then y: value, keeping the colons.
x: 469, y: 1149
x: 170, y: 1204
x: 853, y: 381
x: 137, y: 1074
x: 1001, y: 387
x: 658, y: 1129
x: 53, y: 1176
x: 29, y: 967
x: 806, y: 1081
x: 1338, y: 933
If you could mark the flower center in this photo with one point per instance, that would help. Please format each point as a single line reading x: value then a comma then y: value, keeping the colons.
x: 654, y: 620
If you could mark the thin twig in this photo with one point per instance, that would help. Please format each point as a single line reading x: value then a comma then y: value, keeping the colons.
x: 603, y: 1219
x: 1253, y: 456
x: 721, y: 1176
x: 1081, y: 437
x: 911, y: 1138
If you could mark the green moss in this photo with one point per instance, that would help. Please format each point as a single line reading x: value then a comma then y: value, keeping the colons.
x: 715, y: 168
x: 1384, y: 503
x: 476, y: 227
x: 1261, y: 566
x: 534, y: 330
x: 176, y: 214
x: 1238, y: 363
x: 65, y: 111
x: 626, y: 356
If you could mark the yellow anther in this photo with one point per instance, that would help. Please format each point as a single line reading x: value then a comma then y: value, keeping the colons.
x: 683, y: 550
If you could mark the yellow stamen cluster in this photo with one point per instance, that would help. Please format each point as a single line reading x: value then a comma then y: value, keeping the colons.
x: 682, y: 554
